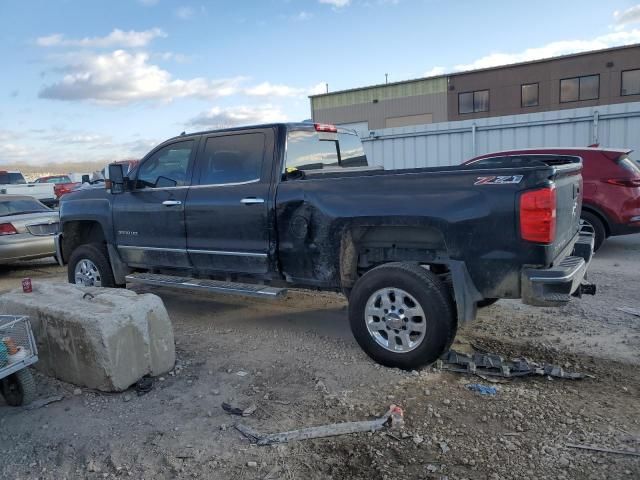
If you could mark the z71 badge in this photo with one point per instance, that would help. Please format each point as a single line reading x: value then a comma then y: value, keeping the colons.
x: 498, y: 179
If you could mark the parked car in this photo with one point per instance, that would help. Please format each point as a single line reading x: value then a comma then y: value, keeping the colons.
x: 13, y: 183
x: 297, y: 205
x: 61, y: 184
x: 611, y: 197
x: 27, y: 229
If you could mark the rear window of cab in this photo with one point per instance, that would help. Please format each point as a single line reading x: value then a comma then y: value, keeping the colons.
x: 313, y: 150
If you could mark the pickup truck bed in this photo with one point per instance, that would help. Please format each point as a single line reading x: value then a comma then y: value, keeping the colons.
x: 297, y: 205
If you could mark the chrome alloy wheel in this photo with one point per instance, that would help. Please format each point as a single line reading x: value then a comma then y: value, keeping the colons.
x: 395, y: 320
x: 87, y: 274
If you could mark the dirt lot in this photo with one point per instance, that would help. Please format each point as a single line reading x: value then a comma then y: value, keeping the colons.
x: 303, y: 368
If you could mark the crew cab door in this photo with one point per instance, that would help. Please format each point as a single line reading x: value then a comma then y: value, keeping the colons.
x: 227, y: 219
x: 149, y: 219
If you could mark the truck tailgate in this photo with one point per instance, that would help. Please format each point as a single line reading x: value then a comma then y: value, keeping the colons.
x: 568, y: 187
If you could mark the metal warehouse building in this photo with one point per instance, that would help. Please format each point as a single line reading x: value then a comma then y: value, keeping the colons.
x: 571, y: 100
x: 586, y: 79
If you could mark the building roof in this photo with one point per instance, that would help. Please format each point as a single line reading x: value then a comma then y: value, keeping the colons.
x: 464, y: 72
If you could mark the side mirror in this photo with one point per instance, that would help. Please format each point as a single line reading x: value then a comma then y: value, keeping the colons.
x: 116, y: 181
x: 86, y: 179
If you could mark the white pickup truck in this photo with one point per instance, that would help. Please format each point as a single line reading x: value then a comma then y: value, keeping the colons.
x: 13, y: 183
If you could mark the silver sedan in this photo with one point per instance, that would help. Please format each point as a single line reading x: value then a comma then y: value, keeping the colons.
x: 27, y: 229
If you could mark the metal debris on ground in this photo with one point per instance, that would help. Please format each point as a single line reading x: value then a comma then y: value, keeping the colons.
x: 630, y: 311
x: 494, y: 365
x: 394, y: 418
x: 482, y: 389
x: 237, y: 410
x: 602, y: 449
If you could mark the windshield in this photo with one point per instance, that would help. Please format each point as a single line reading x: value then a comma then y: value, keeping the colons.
x: 17, y: 207
x: 311, y: 150
x: 11, y: 178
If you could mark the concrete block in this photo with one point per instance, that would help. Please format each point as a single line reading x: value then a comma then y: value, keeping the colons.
x: 102, y: 338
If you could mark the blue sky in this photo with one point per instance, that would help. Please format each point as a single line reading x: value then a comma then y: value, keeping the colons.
x: 104, y: 80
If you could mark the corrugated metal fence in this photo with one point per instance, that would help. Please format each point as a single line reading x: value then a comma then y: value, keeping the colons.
x: 451, y: 143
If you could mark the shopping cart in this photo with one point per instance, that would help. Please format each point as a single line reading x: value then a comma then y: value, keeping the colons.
x: 17, y: 351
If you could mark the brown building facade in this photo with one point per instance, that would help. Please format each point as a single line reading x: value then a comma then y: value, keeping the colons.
x: 587, y: 79
x: 582, y: 80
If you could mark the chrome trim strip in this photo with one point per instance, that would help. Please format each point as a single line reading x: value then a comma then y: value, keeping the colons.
x: 154, y: 249
x: 228, y: 253
x: 194, y: 250
x: 247, y: 182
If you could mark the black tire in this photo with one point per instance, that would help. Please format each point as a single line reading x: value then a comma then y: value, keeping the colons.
x: 98, y: 255
x: 487, y: 302
x: 432, y: 296
x: 18, y: 388
x: 598, y: 228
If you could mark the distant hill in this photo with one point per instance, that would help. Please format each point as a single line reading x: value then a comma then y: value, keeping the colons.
x: 31, y: 172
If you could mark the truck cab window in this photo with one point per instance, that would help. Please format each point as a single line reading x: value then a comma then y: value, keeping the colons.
x: 311, y: 150
x: 351, y: 151
x: 232, y: 159
x: 169, y: 164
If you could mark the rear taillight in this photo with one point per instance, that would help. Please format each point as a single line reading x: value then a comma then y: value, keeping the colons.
x: 325, y: 127
x: 624, y: 182
x: 538, y: 215
x: 7, y: 229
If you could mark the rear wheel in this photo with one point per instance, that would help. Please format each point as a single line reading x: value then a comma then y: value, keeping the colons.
x: 89, y: 266
x: 18, y: 388
x: 600, y: 233
x: 402, y: 315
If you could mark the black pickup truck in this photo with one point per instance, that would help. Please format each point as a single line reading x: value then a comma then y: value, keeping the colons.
x: 255, y: 210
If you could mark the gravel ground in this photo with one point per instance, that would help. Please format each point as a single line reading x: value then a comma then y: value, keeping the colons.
x: 303, y: 368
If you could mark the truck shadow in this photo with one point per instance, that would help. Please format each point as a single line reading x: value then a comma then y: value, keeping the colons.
x: 299, y: 312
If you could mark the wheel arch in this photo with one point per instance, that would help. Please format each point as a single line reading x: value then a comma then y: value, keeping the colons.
x: 598, y: 213
x: 364, y: 248
x: 80, y: 232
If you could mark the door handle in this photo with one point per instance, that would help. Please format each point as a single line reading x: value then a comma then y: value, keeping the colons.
x: 170, y: 203
x: 252, y: 200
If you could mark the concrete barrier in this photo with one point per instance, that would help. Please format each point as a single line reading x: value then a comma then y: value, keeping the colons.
x: 102, y: 338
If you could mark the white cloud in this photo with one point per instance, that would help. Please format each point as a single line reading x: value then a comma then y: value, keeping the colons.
x: 435, y: 71
x: 266, y: 89
x: 148, y: 3
x: 121, y: 77
x: 219, y: 117
x: 318, y: 88
x: 336, y: 3
x: 117, y: 38
x: 630, y: 15
x: 185, y: 13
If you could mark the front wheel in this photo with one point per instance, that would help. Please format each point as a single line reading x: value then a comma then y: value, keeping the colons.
x: 402, y: 315
x: 89, y: 266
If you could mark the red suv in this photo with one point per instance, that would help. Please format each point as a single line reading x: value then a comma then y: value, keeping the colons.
x: 611, y: 196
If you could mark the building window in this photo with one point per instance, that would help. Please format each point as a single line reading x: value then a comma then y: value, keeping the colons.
x: 471, y: 102
x: 579, y: 88
x: 630, y: 82
x: 529, y: 95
